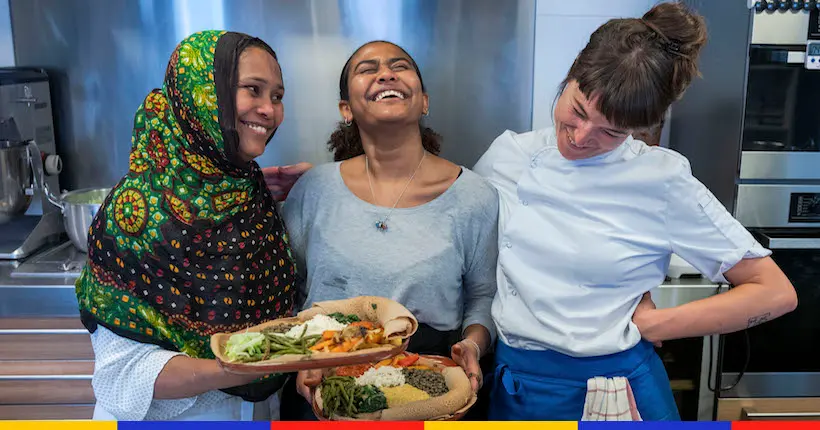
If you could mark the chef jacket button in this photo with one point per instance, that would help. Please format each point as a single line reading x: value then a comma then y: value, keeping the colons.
x: 508, y: 244
x: 525, y: 203
x: 534, y: 163
x: 514, y: 293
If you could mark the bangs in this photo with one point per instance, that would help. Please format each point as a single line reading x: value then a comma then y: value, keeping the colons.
x: 631, y: 91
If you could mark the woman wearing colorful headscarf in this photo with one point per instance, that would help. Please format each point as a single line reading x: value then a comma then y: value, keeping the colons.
x: 189, y: 242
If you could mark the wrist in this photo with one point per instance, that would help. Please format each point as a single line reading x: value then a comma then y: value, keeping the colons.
x: 654, y: 325
x: 473, y: 345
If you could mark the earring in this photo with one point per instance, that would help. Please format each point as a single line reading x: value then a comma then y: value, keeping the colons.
x: 426, y: 113
x: 348, y: 122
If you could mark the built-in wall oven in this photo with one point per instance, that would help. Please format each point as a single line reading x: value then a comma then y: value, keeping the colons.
x: 772, y: 370
x: 781, y: 127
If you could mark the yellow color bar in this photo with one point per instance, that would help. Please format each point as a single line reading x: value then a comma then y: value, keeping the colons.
x: 58, y: 425
x: 506, y: 425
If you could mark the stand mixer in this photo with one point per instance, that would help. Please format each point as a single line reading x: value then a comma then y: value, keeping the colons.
x: 28, y: 221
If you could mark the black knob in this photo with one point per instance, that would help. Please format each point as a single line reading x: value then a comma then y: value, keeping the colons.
x: 785, y: 4
x: 759, y: 6
x: 797, y: 5
x: 808, y: 4
x: 772, y: 5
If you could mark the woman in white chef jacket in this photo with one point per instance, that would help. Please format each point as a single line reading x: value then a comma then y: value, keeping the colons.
x: 589, y: 219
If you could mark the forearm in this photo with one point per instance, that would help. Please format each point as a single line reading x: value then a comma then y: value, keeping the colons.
x: 480, y: 335
x: 184, y: 377
x: 742, y: 307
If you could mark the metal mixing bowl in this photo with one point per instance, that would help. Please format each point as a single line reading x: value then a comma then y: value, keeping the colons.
x: 79, y: 209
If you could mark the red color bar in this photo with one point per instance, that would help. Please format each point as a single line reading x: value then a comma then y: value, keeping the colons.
x: 347, y: 425
x: 776, y: 425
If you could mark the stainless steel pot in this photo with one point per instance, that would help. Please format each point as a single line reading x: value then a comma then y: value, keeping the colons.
x: 79, y: 208
x: 15, y: 179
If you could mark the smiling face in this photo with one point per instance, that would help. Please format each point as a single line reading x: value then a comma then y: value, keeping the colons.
x: 581, y: 130
x: 259, y: 109
x: 383, y: 87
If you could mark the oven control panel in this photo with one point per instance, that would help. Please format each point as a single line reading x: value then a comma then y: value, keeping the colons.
x: 813, y: 55
x: 805, y: 207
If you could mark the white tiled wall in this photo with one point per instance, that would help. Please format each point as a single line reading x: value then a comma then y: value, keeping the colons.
x: 562, y: 28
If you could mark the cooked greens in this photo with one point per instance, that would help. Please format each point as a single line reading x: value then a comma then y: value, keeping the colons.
x: 341, y: 396
x: 257, y: 346
x: 344, y: 319
x: 370, y: 399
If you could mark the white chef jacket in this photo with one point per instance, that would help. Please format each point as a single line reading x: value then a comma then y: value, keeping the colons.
x: 581, y: 241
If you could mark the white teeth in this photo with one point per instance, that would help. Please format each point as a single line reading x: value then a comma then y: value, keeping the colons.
x: 256, y: 128
x: 386, y: 93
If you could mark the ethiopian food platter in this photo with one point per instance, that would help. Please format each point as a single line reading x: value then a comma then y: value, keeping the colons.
x: 329, y: 334
x: 406, y: 387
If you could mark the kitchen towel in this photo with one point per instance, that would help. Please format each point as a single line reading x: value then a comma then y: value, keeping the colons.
x: 610, y: 399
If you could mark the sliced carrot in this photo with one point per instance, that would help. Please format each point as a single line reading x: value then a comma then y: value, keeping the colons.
x: 328, y: 334
x: 344, y: 347
x: 319, y: 346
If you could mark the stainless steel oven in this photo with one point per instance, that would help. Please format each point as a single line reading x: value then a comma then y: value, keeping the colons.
x: 779, y: 358
x: 772, y: 370
x: 781, y: 125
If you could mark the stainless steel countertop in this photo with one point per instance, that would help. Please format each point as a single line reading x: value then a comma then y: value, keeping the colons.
x: 35, y: 297
x: 41, y: 285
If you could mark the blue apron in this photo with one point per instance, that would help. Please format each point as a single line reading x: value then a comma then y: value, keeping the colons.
x: 550, y: 386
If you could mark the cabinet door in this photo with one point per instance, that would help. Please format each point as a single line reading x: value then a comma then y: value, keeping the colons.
x: 46, y: 366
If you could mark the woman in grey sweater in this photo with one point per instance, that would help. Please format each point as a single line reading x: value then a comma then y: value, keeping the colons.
x: 390, y: 218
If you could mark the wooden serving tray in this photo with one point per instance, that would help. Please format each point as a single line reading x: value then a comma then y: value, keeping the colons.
x: 385, y: 311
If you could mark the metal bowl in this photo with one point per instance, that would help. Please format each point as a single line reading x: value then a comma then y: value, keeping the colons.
x: 79, y: 209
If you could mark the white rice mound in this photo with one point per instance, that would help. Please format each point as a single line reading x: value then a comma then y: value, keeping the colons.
x: 316, y: 325
x: 385, y: 376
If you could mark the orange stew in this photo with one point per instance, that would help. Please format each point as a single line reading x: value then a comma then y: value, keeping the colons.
x: 354, y: 371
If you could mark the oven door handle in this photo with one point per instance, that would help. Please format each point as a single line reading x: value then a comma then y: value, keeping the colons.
x: 750, y: 414
x: 789, y: 242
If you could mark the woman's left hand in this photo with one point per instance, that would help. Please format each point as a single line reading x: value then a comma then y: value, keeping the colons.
x: 643, y: 318
x: 280, y: 179
x: 466, y: 354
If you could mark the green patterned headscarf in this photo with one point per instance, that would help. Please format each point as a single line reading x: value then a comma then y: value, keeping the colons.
x: 189, y: 242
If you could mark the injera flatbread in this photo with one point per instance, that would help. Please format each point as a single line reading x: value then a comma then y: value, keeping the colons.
x: 459, y: 398
x: 395, y: 318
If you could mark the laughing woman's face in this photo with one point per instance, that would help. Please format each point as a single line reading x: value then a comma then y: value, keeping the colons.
x: 259, y: 109
x: 581, y: 130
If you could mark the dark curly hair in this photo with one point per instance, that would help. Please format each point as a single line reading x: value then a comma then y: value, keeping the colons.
x: 346, y: 142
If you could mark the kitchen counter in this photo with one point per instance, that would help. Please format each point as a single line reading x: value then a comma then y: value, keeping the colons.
x: 41, y: 286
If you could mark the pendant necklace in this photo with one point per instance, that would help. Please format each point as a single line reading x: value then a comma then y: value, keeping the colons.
x: 381, y: 225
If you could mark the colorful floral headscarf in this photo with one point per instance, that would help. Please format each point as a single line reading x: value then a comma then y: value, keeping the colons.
x: 189, y: 242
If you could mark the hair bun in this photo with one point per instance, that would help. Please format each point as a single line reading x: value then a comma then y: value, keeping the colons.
x: 683, y: 33
x: 679, y: 24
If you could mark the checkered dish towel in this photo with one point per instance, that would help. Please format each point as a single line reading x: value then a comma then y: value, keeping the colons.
x: 610, y: 399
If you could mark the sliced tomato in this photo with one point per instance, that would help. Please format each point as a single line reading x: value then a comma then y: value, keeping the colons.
x: 408, y: 360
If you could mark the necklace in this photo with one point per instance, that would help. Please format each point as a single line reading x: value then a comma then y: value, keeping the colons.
x: 381, y: 225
